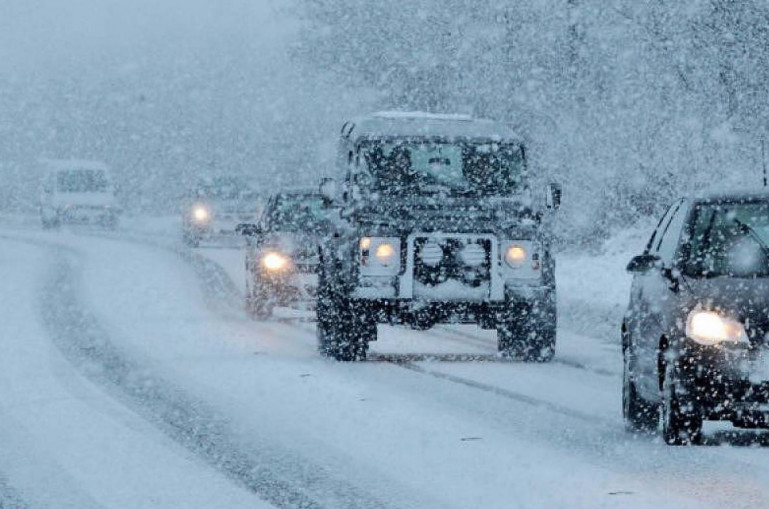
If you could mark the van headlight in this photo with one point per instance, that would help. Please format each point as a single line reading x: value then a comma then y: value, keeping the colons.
x: 379, y: 256
x: 711, y: 328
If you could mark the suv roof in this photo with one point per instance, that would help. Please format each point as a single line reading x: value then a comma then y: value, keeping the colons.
x: 418, y: 124
x: 733, y: 195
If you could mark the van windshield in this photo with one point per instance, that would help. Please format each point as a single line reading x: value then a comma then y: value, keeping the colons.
x: 82, y: 181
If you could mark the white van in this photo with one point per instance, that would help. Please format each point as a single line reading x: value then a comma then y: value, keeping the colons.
x: 77, y: 192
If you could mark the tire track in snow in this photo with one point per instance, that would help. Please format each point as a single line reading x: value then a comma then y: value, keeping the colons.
x: 274, y: 475
x: 499, y: 391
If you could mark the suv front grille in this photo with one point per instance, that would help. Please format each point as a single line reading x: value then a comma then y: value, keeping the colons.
x: 465, y: 260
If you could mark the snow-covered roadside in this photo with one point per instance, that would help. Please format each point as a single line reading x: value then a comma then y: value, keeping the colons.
x: 65, y: 443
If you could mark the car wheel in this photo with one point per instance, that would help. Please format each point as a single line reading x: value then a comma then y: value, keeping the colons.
x: 681, y: 421
x: 522, y: 340
x: 639, y: 414
x: 49, y: 224
x: 258, y: 301
x: 191, y: 240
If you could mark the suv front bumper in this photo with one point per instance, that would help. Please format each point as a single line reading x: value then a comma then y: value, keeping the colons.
x: 535, y: 301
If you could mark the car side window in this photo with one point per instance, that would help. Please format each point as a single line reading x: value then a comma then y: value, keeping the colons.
x: 653, y: 244
x: 672, y: 234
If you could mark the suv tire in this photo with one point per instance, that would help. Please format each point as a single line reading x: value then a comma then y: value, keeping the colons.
x: 343, y: 331
x: 681, y: 421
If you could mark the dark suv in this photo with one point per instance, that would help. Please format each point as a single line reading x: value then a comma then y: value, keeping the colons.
x: 694, y: 338
x: 437, y: 225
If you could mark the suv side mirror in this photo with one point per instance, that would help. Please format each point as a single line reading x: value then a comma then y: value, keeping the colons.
x: 644, y: 263
x: 553, y: 196
x: 249, y: 229
x: 329, y: 189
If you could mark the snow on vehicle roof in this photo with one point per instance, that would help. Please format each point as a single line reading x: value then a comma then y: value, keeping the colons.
x: 297, y: 191
x: 733, y: 195
x: 418, y: 124
x: 73, y: 164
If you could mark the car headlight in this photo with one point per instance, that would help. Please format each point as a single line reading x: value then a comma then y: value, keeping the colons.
x: 380, y: 256
x: 274, y: 261
x: 710, y: 328
x: 200, y: 214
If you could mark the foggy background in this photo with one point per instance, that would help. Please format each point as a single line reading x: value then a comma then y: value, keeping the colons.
x: 628, y: 104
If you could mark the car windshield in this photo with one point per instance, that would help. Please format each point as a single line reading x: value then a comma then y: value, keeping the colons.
x: 229, y: 189
x: 296, y: 213
x: 453, y: 168
x: 729, y: 239
x: 81, y: 181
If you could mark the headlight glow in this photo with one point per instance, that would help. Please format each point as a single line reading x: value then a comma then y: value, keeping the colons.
x: 200, y: 214
x: 385, y: 253
x: 710, y: 328
x: 379, y: 256
x: 274, y: 261
x: 515, y: 256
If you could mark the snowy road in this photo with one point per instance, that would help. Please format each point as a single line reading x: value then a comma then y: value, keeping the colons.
x: 130, y: 377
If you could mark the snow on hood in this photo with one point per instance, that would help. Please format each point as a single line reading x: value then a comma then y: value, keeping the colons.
x: 96, y: 199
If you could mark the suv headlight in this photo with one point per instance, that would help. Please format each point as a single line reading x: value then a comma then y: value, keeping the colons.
x: 522, y: 258
x: 516, y: 255
x: 379, y: 256
x: 710, y: 328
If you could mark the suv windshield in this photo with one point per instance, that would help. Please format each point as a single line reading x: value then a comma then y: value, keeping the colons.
x: 81, y: 181
x: 296, y: 213
x: 401, y: 166
x: 729, y: 239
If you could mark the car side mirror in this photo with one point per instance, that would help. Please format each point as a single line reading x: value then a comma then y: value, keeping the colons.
x: 329, y: 189
x: 553, y: 196
x: 249, y: 229
x: 644, y: 263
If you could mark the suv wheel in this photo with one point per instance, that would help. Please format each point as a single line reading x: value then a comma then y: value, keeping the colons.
x: 343, y: 331
x: 639, y: 414
x: 523, y: 340
x: 681, y: 421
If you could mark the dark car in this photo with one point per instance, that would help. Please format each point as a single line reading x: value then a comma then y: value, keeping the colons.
x: 438, y: 224
x: 696, y: 333
x: 282, y: 252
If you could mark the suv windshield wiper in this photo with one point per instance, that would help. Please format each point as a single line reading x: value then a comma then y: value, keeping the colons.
x: 746, y: 228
